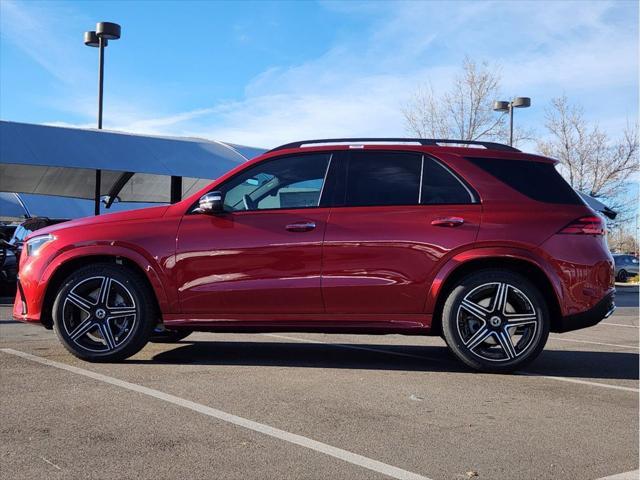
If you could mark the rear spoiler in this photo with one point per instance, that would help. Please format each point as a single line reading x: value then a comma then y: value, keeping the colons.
x: 598, y: 206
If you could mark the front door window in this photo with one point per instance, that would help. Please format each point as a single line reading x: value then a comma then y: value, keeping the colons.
x: 289, y: 182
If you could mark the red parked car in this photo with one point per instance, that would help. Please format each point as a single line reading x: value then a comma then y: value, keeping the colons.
x: 488, y: 247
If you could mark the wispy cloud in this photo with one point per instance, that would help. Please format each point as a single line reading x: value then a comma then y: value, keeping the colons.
x: 359, y: 84
x: 39, y: 32
x: 351, y: 91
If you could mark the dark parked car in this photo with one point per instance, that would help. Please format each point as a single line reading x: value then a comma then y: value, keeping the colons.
x: 626, y: 266
x: 488, y: 247
x: 10, y: 250
x: 6, y: 231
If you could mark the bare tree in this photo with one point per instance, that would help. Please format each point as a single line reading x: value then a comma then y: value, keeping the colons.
x: 465, y: 112
x: 623, y: 240
x: 589, y: 159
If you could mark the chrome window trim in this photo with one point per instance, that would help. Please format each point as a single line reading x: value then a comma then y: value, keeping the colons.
x: 420, y: 181
x: 324, y: 180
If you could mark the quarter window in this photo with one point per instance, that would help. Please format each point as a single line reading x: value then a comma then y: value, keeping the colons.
x: 287, y: 182
x: 537, y: 180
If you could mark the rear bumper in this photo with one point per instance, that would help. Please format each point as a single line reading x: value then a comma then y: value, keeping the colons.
x: 601, y: 310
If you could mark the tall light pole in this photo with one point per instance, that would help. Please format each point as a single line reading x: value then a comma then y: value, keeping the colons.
x: 104, y: 32
x: 502, y: 106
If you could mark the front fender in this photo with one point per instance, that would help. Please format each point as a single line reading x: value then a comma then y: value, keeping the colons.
x: 143, y: 260
x: 486, y: 254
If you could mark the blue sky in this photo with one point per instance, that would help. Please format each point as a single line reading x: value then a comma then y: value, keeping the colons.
x: 264, y: 73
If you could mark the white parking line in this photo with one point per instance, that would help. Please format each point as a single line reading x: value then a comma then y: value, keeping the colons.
x: 634, y: 475
x: 582, y: 382
x: 575, y: 340
x: 400, y: 354
x: 57, y: 467
x: 350, y: 457
x: 618, y: 325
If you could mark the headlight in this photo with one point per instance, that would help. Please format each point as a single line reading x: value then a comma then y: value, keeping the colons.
x: 34, y: 244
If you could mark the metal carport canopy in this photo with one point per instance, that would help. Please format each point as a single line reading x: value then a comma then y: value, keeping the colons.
x: 18, y: 206
x: 62, y: 161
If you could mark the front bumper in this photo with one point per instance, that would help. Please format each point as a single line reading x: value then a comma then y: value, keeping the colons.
x: 30, y: 294
x: 601, y: 310
x: 20, y: 309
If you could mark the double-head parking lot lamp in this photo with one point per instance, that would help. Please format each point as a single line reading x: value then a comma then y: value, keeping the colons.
x: 99, y: 38
x: 503, y: 106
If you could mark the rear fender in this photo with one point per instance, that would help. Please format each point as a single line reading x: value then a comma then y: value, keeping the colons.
x: 486, y: 255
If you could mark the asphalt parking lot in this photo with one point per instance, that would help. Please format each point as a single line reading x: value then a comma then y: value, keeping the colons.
x: 320, y: 407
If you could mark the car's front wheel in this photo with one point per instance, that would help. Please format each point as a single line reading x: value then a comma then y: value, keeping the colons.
x: 104, y: 312
x: 495, y: 321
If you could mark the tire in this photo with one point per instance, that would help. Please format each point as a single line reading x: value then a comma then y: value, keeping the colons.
x: 161, y: 335
x: 623, y: 276
x: 488, y: 336
x: 104, y: 313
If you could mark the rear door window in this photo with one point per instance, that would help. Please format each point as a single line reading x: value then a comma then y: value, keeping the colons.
x: 537, y: 180
x: 400, y: 178
x: 383, y: 178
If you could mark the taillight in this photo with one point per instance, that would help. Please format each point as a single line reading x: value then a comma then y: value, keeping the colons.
x: 590, y: 225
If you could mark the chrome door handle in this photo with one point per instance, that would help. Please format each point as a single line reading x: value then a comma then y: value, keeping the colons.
x: 301, y: 226
x: 448, y: 222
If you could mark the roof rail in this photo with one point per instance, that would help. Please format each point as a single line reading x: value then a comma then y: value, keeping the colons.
x: 421, y: 141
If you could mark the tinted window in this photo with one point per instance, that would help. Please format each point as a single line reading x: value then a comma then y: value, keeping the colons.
x: 20, y: 234
x: 537, y: 180
x: 288, y: 182
x: 383, y: 178
x: 623, y: 259
x: 439, y: 185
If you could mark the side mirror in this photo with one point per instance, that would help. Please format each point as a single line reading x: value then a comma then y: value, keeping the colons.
x: 109, y: 200
x: 211, y: 203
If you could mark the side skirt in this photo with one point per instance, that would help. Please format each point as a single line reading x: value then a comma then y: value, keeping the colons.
x: 405, y: 324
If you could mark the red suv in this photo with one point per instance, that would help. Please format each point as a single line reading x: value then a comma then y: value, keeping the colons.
x: 474, y: 241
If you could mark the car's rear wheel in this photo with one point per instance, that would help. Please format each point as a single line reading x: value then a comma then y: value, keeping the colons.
x: 623, y: 276
x: 495, y: 321
x: 104, y: 312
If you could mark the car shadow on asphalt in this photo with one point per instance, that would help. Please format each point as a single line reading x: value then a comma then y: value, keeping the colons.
x: 567, y: 363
